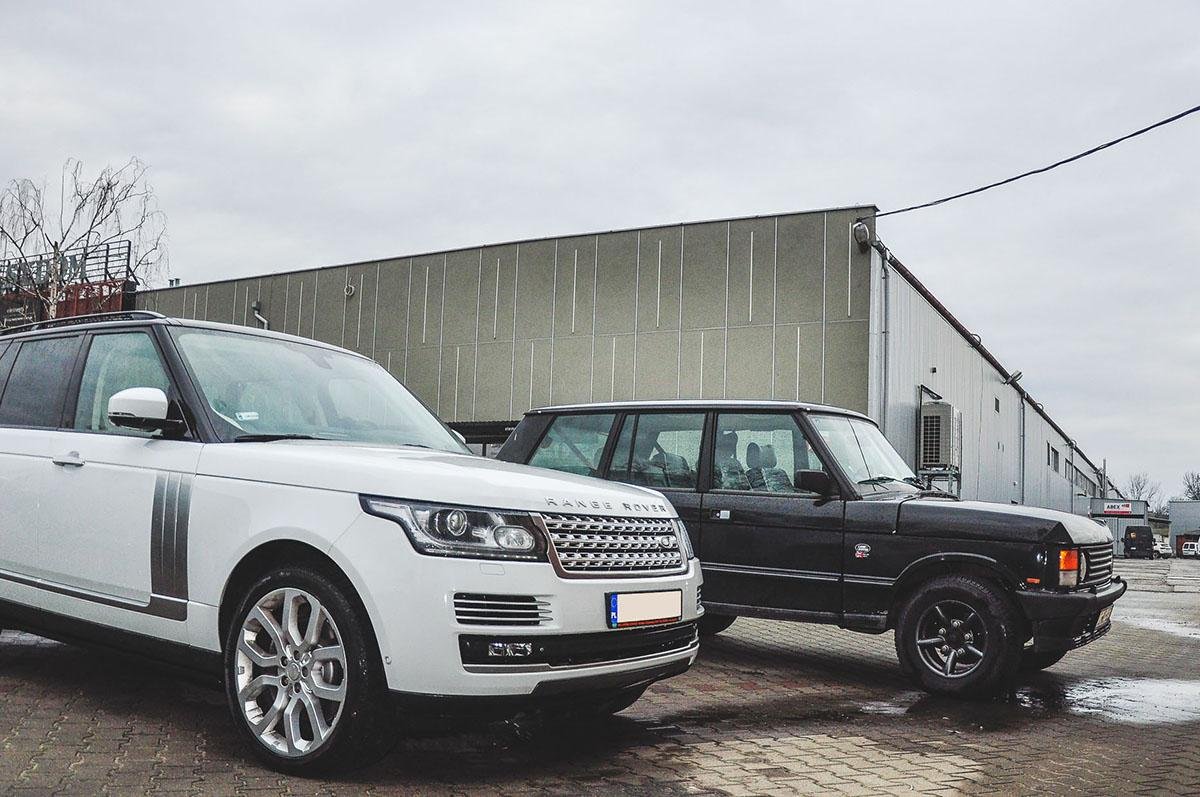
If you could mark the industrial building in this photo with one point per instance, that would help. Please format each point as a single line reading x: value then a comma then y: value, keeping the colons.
x: 1185, y: 523
x: 808, y: 306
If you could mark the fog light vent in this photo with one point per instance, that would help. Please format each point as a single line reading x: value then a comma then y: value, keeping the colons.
x: 507, y: 610
x: 509, y: 650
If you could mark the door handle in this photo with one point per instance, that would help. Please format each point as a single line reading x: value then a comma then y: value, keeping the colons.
x: 71, y: 460
x: 719, y: 514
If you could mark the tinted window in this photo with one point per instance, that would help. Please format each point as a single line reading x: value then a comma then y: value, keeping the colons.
x: 116, y: 362
x: 38, y: 382
x: 574, y: 444
x: 666, y: 451
x: 761, y: 453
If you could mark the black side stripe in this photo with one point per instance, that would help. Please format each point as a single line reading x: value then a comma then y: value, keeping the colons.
x: 168, y: 556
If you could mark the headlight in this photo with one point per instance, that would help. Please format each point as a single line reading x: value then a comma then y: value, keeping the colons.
x: 1070, y: 567
x: 685, y: 542
x: 442, y: 530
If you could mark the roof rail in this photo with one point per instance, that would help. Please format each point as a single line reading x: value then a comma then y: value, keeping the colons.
x: 51, y: 323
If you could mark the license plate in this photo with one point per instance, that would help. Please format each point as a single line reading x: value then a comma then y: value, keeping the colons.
x: 1105, y: 617
x: 627, y: 609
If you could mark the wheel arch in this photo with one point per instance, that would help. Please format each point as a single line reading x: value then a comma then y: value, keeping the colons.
x: 271, y: 554
x: 948, y: 564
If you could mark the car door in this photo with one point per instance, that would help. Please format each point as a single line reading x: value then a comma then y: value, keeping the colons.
x: 118, y: 529
x: 767, y: 544
x: 36, y: 375
x: 661, y: 450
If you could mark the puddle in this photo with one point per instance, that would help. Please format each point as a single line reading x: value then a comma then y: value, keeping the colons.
x: 1166, y: 626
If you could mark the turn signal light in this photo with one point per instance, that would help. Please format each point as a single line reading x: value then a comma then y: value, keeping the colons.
x: 1068, y: 567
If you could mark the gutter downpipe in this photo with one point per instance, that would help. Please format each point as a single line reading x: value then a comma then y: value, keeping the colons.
x: 886, y: 339
x: 1023, y: 443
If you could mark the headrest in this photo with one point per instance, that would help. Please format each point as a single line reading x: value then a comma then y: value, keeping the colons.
x: 753, y: 456
x: 768, y: 457
x: 727, y: 441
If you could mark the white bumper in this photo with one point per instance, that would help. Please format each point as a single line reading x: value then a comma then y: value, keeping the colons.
x: 410, y: 600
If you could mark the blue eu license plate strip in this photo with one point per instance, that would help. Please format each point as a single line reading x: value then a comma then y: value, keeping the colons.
x: 629, y: 609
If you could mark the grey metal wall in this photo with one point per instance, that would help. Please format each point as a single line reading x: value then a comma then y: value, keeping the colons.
x: 914, y: 345
x: 773, y: 306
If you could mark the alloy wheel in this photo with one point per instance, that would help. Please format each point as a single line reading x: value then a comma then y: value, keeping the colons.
x: 951, y: 639
x: 290, y: 672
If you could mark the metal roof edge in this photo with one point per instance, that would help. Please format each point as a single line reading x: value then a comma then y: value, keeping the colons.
x: 493, y: 245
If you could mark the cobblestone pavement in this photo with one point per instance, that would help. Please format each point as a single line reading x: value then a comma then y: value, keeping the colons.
x: 771, y: 707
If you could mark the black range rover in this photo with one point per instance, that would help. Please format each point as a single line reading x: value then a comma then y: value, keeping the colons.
x: 806, y: 512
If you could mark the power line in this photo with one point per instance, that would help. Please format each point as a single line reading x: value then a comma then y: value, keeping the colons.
x: 1062, y: 162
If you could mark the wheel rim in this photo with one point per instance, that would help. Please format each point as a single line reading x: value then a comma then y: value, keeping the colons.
x: 291, y: 672
x: 951, y: 639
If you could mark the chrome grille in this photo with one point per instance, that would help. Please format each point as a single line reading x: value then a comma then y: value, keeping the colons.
x: 1099, y: 559
x: 507, y: 610
x: 596, y: 545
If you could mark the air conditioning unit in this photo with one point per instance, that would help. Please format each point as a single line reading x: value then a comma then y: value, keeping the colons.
x: 941, y: 436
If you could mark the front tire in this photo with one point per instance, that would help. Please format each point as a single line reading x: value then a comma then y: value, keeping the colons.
x: 1033, y: 661
x: 711, y: 624
x: 303, y: 676
x: 959, y: 635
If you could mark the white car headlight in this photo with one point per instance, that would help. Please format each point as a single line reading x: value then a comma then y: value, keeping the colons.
x: 445, y: 530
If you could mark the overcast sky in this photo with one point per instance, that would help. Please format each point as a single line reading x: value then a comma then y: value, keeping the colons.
x: 284, y: 135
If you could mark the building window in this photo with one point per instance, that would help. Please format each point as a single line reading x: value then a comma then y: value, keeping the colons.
x: 1054, y: 461
x: 997, y: 404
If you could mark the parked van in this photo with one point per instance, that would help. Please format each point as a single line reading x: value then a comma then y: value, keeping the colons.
x: 285, y: 514
x: 1190, y: 549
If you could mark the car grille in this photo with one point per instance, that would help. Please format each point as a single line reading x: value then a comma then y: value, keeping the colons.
x: 507, y: 610
x: 1099, y: 560
x: 599, y: 546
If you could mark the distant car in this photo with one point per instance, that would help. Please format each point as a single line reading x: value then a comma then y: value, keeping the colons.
x: 1162, y: 549
x: 1190, y: 549
x: 1139, y: 543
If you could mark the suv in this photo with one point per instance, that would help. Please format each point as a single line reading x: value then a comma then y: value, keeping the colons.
x: 286, y: 514
x: 806, y: 512
x: 1138, y: 543
x: 1162, y: 549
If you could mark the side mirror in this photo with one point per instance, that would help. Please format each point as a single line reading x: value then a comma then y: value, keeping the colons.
x: 815, y: 481
x: 141, y: 408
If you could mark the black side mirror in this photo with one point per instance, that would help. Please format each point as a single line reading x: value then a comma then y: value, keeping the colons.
x: 815, y: 481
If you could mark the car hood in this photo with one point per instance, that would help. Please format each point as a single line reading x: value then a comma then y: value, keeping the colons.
x: 934, y: 517
x: 426, y: 475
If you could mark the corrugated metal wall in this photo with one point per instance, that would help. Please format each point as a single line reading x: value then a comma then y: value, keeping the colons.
x: 773, y: 306
x: 922, y: 348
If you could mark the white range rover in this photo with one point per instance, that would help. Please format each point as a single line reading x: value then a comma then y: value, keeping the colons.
x: 285, y: 513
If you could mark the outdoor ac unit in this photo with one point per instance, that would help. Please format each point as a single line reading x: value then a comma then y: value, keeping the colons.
x: 941, y: 436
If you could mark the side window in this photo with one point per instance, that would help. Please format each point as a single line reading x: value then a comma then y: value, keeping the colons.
x: 659, y: 449
x: 37, y: 385
x: 574, y: 444
x: 761, y: 453
x: 115, y: 362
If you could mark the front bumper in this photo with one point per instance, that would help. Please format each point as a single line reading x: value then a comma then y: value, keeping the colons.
x: 411, y: 601
x: 1066, y: 620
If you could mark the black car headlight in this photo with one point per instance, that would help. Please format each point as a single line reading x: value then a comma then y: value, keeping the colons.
x: 685, y: 542
x: 473, y: 532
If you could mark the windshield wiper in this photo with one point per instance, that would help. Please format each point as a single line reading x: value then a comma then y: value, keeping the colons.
x: 882, y: 480
x: 268, y: 438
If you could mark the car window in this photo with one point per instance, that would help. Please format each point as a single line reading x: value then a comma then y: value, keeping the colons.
x: 761, y: 453
x: 864, y: 453
x: 116, y: 362
x: 666, y: 452
x: 574, y: 444
x: 38, y: 382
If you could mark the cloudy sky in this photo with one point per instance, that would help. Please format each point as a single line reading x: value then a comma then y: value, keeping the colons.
x: 283, y: 135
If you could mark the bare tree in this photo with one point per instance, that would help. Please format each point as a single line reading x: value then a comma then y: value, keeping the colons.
x: 42, y: 234
x: 1139, y: 488
x: 1191, y: 486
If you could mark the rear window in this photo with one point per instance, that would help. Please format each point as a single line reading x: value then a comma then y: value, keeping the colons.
x: 37, y: 385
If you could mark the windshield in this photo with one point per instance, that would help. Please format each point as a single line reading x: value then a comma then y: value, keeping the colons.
x: 865, y: 454
x: 263, y: 388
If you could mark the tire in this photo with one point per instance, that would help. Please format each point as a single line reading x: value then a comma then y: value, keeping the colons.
x: 959, y: 635
x: 323, y: 711
x: 1033, y: 661
x: 711, y: 624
